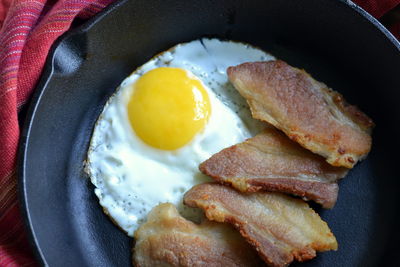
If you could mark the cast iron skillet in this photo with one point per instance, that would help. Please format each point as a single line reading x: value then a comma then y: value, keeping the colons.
x: 334, y: 40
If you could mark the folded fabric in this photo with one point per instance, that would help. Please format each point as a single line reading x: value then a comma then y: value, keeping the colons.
x: 28, y: 31
x: 379, y: 8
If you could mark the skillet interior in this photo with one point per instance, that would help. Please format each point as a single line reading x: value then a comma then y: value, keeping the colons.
x: 333, y: 40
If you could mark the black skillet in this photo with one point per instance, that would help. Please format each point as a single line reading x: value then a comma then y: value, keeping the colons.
x: 336, y: 41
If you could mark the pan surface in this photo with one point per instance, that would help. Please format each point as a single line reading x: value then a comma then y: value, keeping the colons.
x: 335, y: 41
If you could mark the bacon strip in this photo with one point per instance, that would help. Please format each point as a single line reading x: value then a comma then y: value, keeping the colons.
x: 167, y: 239
x: 271, y: 161
x: 306, y: 110
x: 281, y: 228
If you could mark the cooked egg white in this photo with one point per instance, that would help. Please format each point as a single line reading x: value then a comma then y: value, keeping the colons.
x: 167, y: 117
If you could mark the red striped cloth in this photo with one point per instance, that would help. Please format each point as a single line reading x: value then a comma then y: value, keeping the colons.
x: 28, y: 29
x: 379, y: 8
x: 27, y: 32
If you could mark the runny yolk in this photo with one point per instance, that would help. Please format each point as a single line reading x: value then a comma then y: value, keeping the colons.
x: 168, y: 107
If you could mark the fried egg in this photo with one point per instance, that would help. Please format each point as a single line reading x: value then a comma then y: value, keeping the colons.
x: 167, y: 117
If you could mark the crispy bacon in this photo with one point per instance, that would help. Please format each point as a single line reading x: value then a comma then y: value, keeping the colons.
x: 306, y: 110
x: 281, y: 228
x: 167, y: 239
x: 271, y: 161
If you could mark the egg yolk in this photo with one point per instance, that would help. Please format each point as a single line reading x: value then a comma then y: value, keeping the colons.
x: 168, y: 107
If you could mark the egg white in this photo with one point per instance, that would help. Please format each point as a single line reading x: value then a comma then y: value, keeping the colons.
x: 132, y: 177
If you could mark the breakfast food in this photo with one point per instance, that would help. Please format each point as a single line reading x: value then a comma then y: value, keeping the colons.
x: 168, y: 239
x: 306, y: 110
x: 188, y: 107
x: 271, y: 161
x: 166, y: 118
x: 281, y: 228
